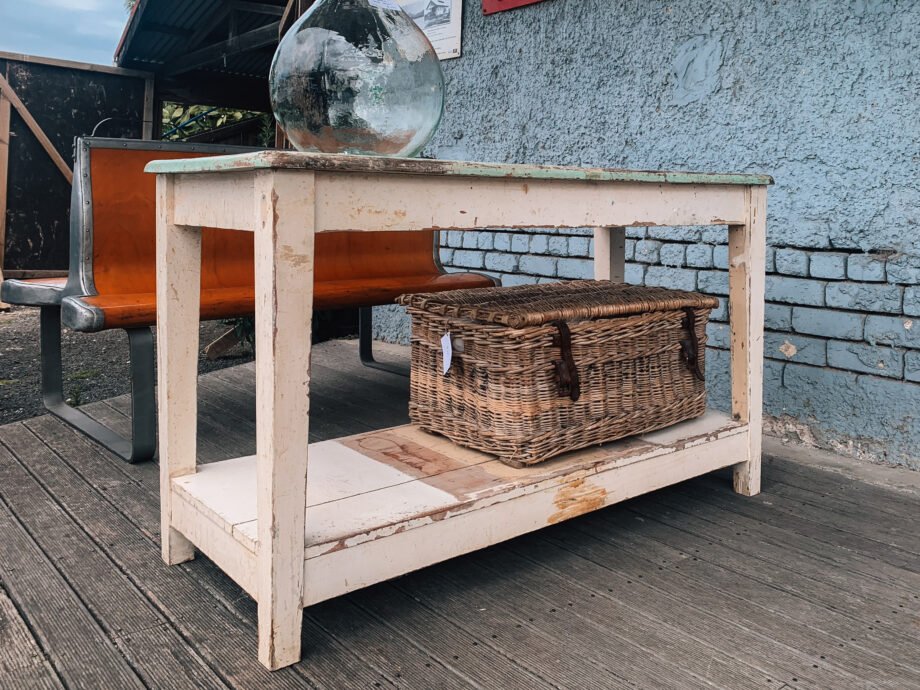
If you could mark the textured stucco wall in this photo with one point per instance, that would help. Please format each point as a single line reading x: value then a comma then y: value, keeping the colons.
x: 823, y: 95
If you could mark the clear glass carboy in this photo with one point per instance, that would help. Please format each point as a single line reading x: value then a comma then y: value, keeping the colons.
x: 357, y: 76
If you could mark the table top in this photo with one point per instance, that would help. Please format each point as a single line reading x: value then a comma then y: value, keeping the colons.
x: 321, y: 162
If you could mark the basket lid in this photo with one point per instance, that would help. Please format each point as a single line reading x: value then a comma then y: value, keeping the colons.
x: 535, y: 305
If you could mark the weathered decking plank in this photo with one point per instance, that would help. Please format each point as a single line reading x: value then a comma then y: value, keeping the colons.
x: 854, y: 569
x: 115, y: 602
x: 826, y: 619
x: 866, y: 599
x: 824, y: 488
x: 517, y: 639
x: 898, y: 497
x: 598, y: 620
x: 509, y: 590
x: 327, y: 663
x: 688, y: 587
x: 850, y: 515
x: 377, y: 645
x: 22, y: 661
x: 809, y: 628
x: 447, y: 639
x: 796, y: 519
x: 211, y: 626
x: 81, y: 652
x: 708, y: 612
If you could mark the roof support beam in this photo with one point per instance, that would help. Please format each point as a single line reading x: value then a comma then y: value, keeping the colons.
x: 259, y: 8
x: 217, y: 89
x: 245, y: 42
x: 218, y: 17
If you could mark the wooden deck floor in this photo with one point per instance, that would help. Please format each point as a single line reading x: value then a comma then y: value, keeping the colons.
x: 812, y: 584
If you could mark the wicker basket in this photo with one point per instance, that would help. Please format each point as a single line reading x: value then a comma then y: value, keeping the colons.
x: 538, y: 370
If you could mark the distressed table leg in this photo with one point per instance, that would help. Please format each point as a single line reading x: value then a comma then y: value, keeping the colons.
x: 284, y: 234
x: 610, y: 254
x: 178, y: 297
x: 747, y: 257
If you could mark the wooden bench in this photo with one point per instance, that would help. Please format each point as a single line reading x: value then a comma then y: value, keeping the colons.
x: 111, y: 282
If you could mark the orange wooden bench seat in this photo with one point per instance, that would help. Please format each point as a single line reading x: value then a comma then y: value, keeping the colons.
x: 111, y: 281
x: 100, y: 312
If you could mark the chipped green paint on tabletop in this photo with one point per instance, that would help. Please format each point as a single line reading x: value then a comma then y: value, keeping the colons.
x: 422, y: 166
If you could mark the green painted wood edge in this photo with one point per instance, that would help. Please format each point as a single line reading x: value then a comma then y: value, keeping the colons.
x: 288, y: 160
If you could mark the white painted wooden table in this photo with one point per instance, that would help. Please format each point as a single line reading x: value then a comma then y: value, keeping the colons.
x: 298, y: 523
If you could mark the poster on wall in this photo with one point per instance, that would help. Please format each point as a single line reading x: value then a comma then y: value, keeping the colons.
x: 441, y: 21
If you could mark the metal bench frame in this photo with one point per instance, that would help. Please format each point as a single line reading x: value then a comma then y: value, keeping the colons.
x: 142, y: 444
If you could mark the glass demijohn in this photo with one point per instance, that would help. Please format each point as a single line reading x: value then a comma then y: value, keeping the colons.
x: 357, y: 76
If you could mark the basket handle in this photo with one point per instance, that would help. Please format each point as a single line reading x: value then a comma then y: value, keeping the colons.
x: 566, y: 373
x: 690, y: 347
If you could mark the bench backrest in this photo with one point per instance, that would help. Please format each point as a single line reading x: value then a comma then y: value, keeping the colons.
x: 113, y: 229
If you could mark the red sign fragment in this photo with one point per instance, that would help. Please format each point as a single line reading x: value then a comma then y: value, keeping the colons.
x: 493, y: 6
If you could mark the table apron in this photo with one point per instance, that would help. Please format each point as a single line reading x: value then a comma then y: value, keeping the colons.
x: 388, y: 202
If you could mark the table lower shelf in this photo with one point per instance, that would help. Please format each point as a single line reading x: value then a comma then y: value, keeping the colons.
x: 387, y: 502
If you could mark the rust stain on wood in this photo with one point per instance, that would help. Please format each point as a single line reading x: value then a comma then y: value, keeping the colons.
x: 576, y: 499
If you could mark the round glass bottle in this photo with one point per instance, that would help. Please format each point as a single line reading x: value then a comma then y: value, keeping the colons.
x: 359, y: 77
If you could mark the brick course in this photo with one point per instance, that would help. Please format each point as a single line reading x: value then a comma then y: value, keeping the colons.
x: 793, y: 262
x: 903, y: 331
x: 866, y: 268
x: 904, y: 269
x: 673, y: 255
x: 880, y: 361
x: 828, y: 265
x: 912, y: 301
x: 795, y: 291
x: 864, y: 297
x: 465, y: 258
x: 828, y: 323
x: 778, y: 317
x: 647, y: 251
x: 858, y: 314
x: 538, y: 265
x: 677, y: 278
x: 912, y: 366
x: 699, y: 256
x: 797, y: 348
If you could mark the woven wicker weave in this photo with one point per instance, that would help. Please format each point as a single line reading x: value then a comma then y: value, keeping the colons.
x: 512, y: 390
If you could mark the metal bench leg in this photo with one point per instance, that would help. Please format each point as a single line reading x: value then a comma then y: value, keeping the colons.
x: 366, y: 344
x: 142, y: 445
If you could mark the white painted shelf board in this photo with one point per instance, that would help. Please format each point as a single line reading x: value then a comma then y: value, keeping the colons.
x: 367, y: 486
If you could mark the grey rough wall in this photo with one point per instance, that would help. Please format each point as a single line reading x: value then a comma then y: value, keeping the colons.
x: 823, y: 95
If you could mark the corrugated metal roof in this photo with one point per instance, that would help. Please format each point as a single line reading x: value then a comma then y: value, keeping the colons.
x: 162, y: 31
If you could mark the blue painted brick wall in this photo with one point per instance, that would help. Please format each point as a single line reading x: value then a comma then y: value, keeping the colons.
x: 712, y: 92
x: 792, y: 262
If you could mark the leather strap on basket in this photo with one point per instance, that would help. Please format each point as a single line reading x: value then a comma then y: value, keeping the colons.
x: 690, y: 347
x: 566, y: 372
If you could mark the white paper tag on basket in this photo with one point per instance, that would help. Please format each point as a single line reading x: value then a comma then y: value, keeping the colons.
x: 447, y: 349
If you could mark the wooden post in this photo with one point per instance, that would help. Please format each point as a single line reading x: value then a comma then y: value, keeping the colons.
x: 610, y: 254
x: 4, y: 173
x: 149, y: 109
x: 178, y: 300
x: 746, y: 257
x: 284, y: 231
x: 43, y: 139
